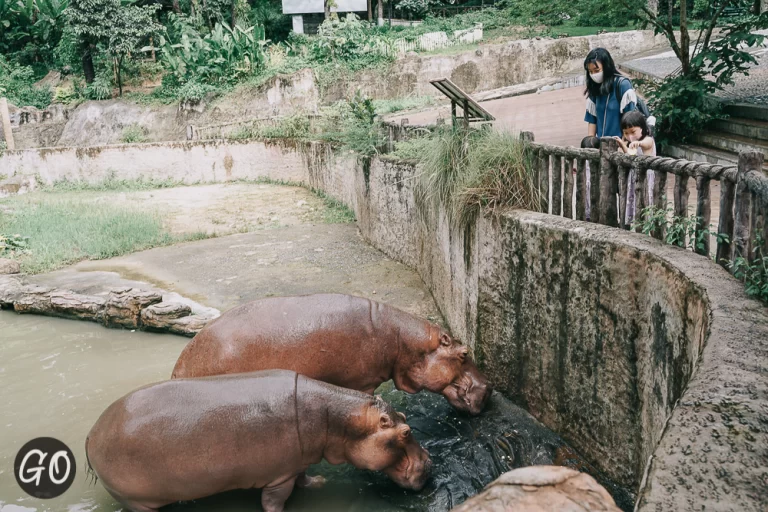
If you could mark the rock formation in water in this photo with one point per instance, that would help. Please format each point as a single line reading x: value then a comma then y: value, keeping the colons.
x: 541, y: 489
x: 126, y: 307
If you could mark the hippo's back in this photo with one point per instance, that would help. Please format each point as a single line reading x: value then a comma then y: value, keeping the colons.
x: 154, y: 441
x: 330, y: 337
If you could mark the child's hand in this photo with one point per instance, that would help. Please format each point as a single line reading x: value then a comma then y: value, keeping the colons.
x: 634, y: 145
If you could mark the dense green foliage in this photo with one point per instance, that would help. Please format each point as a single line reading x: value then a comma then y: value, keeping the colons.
x: 708, y: 63
x: 16, y: 83
x: 755, y: 274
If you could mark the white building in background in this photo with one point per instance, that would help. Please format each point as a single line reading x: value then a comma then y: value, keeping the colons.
x: 300, y: 8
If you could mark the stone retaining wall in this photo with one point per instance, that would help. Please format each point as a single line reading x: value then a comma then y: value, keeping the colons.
x: 648, y: 359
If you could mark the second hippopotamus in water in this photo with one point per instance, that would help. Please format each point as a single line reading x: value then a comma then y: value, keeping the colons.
x: 185, y: 439
x: 344, y: 340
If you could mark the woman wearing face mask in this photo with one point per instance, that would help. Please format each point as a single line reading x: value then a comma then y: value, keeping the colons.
x: 607, y: 100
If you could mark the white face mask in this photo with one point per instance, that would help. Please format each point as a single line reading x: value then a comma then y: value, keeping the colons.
x: 597, y: 77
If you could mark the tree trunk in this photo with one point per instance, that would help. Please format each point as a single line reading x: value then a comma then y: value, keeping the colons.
x: 370, y: 10
x: 177, y: 7
x: 685, y: 39
x: 87, y: 60
x: 653, y: 6
x: 380, y: 13
x: 119, y: 63
x: 234, y: 13
x: 327, y: 9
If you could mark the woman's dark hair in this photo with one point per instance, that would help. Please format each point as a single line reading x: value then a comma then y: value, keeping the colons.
x: 635, y: 119
x: 591, y: 142
x: 593, y: 88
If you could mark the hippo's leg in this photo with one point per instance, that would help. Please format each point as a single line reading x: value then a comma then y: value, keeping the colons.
x: 310, y: 482
x: 274, y: 496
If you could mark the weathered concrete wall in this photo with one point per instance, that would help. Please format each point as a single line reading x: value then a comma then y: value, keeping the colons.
x: 493, y: 65
x: 649, y: 359
x: 187, y: 162
x: 601, y: 334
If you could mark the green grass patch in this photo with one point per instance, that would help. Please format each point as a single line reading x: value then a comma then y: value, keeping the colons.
x: 573, y: 30
x: 384, y: 107
x: 63, y: 230
x: 134, y: 134
x: 335, y: 211
x: 480, y: 170
x: 413, y: 149
x: 111, y: 184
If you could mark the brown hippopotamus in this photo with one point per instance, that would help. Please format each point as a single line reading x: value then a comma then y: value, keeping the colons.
x: 348, y: 341
x: 186, y: 439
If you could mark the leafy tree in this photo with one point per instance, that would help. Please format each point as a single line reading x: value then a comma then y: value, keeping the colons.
x: 128, y: 28
x: 707, y: 64
x: 117, y: 27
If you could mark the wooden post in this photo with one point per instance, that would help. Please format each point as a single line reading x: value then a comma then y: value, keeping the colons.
x: 758, y: 225
x: 681, y: 200
x: 660, y: 201
x: 526, y: 136
x: 7, y: 124
x: 623, y: 195
x: 453, y: 113
x: 725, y: 223
x: 594, y: 190
x: 581, y: 189
x: 568, y: 199
x: 609, y: 183
x: 742, y: 237
x: 641, y: 195
x: 544, y: 180
x: 466, y: 113
x: 557, y: 190
x: 703, y: 214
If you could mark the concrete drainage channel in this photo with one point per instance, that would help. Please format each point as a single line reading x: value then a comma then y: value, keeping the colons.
x: 647, y: 359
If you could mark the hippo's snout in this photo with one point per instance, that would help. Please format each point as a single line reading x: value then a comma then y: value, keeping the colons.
x: 419, y: 472
x: 478, y: 398
x: 415, y: 471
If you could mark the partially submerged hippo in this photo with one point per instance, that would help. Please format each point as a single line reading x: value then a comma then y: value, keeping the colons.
x: 348, y: 341
x: 189, y: 438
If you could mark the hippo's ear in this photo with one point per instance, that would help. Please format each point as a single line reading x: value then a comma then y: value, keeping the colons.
x: 404, y: 431
x: 401, y: 415
x: 385, y: 421
x: 445, y: 340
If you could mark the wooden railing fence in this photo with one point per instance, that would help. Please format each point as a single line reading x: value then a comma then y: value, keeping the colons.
x: 743, y: 192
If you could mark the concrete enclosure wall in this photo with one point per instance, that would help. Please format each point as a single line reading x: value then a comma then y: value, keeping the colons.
x: 640, y: 354
x: 648, y: 359
x: 186, y: 162
x: 494, y: 65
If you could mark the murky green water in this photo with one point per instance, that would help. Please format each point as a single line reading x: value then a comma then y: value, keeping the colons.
x: 57, y: 376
